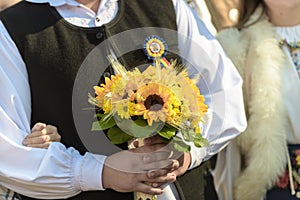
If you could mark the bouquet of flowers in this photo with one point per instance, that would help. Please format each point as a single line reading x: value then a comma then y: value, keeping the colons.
x: 161, y: 99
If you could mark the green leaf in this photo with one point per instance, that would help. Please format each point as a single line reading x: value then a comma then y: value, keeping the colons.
x: 117, y: 136
x: 167, y: 132
x: 103, y: 124
x: 138, y: 128
x: 140, y: 122
x: 180, y: 145
x: 99, y: 115
x: 188, y: 134
x: 199, y: 141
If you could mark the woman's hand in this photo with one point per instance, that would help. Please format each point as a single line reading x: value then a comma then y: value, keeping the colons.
x: 41, y: 136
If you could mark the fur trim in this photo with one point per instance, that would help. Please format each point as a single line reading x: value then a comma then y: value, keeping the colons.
x: 259, y: 60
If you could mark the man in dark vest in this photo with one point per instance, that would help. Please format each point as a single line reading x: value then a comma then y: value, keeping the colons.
x: 47, y: 49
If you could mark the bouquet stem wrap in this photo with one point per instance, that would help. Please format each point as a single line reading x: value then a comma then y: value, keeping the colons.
x: 140, y: 195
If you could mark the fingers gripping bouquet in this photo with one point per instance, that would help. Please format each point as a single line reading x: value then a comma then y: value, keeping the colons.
x: 162, y: 100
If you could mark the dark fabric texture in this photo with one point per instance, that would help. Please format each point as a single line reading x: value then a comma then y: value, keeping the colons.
x: 197, y: 184
x: 40, y: 35
x: 280, y: 194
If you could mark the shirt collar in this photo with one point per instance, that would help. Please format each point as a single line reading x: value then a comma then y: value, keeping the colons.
x: 56, y: 3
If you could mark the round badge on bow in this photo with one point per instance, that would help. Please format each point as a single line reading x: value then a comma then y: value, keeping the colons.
x: 156, y: 48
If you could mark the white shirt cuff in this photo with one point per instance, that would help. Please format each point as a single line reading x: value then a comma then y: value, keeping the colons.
x: 197, y: 155
x: 89, y: 169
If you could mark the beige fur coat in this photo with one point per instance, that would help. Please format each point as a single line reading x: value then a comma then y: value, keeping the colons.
x: 258, y: 156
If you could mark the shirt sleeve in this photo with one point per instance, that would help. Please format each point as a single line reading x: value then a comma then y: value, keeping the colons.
x: 56, y: 172
x: 220, y: 83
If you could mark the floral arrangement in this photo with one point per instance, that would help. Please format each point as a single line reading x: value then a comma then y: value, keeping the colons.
x: 159, y: 100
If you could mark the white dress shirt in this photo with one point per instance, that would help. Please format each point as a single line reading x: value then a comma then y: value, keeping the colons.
x: 60, y: 172
x: 200, y: 7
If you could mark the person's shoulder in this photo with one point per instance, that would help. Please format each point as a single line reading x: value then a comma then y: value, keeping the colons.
x: 7, y: 3
x: 15, y: 9
x: 182, y: 7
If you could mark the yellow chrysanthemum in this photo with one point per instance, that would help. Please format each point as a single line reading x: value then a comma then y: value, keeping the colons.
x: 124, y: 109
x: 107, y: 106
x: 155, y: 102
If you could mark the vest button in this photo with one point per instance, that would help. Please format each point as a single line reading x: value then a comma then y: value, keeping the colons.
x: 106, y: 74
x: 99, y: 35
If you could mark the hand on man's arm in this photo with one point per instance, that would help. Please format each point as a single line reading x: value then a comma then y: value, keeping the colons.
x: 41, y: 136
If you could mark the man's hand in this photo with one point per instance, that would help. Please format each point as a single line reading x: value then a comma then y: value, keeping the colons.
x: 184, y: 159
x: 142, y: 169
x: 41, y: 136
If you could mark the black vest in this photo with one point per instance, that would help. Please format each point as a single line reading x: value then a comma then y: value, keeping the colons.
x: 53, y: 51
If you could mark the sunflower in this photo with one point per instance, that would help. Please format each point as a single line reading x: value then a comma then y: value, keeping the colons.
x: 155, y: 102
x: 104, y: 93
